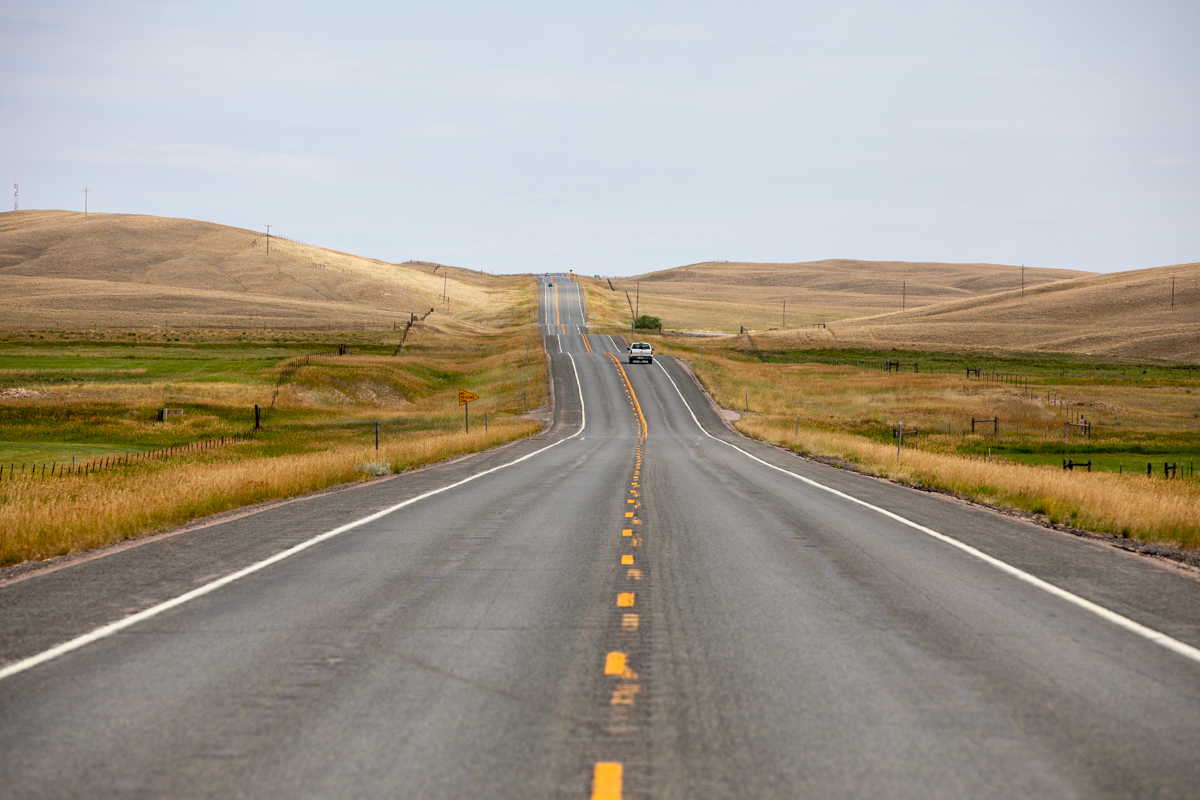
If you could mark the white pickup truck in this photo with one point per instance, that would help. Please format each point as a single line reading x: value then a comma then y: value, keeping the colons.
x: 641, y: 351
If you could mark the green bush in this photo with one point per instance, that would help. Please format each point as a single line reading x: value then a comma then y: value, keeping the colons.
x: 647, y: 322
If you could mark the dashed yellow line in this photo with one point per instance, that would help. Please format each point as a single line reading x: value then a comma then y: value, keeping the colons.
x: 607, y: 779
x: 587, y: 344
x: 625, y: 599
x: 627, y: 561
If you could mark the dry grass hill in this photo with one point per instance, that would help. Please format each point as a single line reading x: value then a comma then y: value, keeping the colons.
x: 60, y: 269
x: 945, y: 306
x: 724, y: 296
x: 1123, y: 315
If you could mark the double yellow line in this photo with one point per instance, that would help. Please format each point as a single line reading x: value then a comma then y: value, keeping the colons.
x: 643, y: 431
x: 557, y: 317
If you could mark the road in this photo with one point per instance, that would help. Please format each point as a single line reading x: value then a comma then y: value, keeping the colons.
x: 637, y: 603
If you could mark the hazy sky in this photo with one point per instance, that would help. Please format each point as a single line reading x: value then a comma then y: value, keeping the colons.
x: 621, y: 137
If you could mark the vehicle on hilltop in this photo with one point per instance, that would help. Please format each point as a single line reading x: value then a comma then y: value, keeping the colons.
x: 641, y: 351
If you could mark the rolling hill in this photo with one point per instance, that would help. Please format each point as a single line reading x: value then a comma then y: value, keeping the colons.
x: 931, y: 306
x: 60, y: 269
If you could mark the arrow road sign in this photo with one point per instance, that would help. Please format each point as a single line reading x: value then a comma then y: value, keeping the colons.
x: 465, y: 397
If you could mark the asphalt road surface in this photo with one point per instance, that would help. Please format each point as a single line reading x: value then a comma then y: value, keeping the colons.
x: 630, y: 608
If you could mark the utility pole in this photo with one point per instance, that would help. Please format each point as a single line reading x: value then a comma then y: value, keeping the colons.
x: 14, y: 192
x: 445, y: 279
x: 268, y: 240
x: 85, y: 199
x: 784, y: 325
x: 1022, y: 280
x: 1172, y: 291
x: 903, y: 295
x: 638, y: 300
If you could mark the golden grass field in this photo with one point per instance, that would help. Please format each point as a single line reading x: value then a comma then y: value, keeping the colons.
x: 723, y: 296
x: 959, y: 307
x: 848, y: 413
x: 60, y: 270
x: 105, y: 320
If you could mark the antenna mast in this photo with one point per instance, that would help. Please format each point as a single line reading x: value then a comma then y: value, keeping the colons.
x: 14, y: 192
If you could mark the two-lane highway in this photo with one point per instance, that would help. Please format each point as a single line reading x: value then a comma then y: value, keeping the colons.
x: 637, y: 603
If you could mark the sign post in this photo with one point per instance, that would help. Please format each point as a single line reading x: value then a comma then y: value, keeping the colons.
x: 464, y: 398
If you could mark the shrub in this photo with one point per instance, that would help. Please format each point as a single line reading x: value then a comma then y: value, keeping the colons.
x: 647, y: 322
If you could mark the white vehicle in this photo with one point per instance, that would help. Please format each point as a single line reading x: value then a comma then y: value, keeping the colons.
x: 641, y: 351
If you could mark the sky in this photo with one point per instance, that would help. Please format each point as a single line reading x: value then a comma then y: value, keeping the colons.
x: 617, y: 138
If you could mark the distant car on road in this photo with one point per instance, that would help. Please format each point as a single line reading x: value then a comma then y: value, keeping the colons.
x: 641, y: 351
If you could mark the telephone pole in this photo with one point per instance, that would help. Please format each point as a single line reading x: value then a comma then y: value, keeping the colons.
x: 784, y: 325
x: 1022, y: 280
x: 268, y: 227
x: 85, y: 199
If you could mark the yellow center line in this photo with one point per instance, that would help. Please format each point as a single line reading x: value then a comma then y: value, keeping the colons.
x: 587, y: 345
x: 606, y: 780
x: 627, y: 560
x: 643, y: 431
x: 625, y: 599
x: 627, y: 532
x: 629, y: 622
x: 557, y: 318
x: 624, y: 693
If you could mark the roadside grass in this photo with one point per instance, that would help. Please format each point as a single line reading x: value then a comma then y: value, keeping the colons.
x: 850, y: 412
x: 320, y: 412
x: 1124, y: 505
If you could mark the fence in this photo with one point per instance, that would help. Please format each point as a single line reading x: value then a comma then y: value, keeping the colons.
x: 1084, y: 426
x: 1071, y: 464
x: 995, y: 424
x: 92, y: 466
x: 1168, y: 469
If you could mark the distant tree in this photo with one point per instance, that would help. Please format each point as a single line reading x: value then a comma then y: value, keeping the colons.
x: 647, y: 322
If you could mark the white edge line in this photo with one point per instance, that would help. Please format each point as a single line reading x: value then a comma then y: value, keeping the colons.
x: 1185, y: 650
x: 121, y: 624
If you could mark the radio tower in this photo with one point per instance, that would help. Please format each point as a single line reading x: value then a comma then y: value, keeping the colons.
x: 14, y: 192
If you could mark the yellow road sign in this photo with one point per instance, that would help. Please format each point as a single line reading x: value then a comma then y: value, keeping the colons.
x: 465, y: 397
